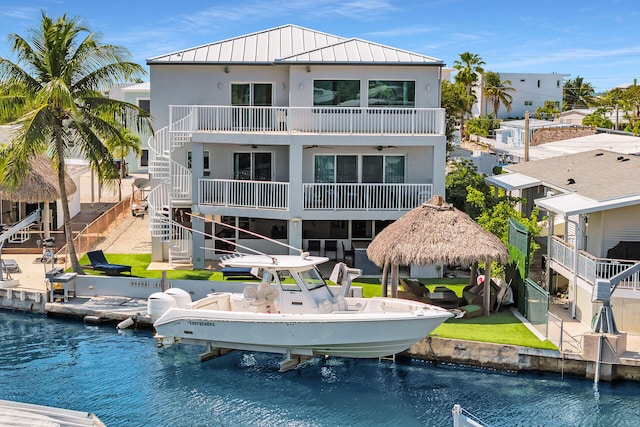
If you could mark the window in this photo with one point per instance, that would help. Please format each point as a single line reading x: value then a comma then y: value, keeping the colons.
x: 342, y: 169
x: 144, y: 158
x: 273, y: 228
x: 557, y: 83
x: 338, y: 229
x: 345, y: 93
x: 538, y: 83
x: 353, y: 169
x: 528, y: 102
x: 255, y: 166
x: 145, y: 104
x: 205, y: 160
x: 258, y: 94
x: 383, y: 169
x: 391, y: 93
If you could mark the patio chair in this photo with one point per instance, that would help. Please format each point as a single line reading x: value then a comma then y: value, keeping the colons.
x: 349, y: 254
x: 314, y: 246
x: 331, y: 246
x: 99, y: 263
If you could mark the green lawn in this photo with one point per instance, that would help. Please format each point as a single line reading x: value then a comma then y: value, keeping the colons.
x: 500, y: 328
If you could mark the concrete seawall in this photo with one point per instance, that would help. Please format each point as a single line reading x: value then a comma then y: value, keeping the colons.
x: 519, y: 359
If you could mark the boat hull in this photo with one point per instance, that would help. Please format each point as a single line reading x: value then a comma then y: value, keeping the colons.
x: 344, y: 334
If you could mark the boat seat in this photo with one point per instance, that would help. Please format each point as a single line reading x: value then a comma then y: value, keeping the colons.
x: 254, y: 301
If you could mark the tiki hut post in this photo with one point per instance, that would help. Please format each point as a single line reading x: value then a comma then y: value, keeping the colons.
x: 385, y: 279
x: 395, y: 272
x: 486, y: 306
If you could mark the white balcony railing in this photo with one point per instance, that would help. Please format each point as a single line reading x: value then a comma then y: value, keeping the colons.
x: 590, y: 268
x: 275, y: 195
x: 245, y: 194
x: 317, y: 120
x: 365, y: 196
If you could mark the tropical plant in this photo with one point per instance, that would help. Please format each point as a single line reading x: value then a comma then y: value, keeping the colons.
x: 63, y: 67
x: 482, y: 125
x: 462, y: 176
x: 125, y: 143
x: 496, y: 91
x: 598, y: 119
x: 469, y: 67
x: 455, y: 102
x: 548, y: 111
x: 577, y: 94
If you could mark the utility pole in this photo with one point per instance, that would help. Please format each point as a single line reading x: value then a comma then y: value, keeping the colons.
x: 526, y: 136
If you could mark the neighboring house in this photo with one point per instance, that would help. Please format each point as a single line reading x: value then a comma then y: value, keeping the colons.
x: 513, y: 132
x: 531, y: 90
x: 625, y: 144
x: 592, y: 200
x: 295, y: 134
x: 138, y: 94
x: 576, y: 116
x: 12, y: 212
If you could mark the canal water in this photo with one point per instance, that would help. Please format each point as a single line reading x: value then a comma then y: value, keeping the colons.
x: 126, y: 381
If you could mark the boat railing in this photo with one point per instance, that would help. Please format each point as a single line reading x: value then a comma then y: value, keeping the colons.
x: 464, y: 418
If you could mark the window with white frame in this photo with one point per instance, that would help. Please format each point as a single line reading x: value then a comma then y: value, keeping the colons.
x: 344, y: 93
x: 391, y: 93
x: 254, y: 166
x: 388, y: 169
x: 144, y: 158
x: 205, y: 159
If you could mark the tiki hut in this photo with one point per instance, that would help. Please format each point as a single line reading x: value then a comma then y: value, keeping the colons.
x: 432, y: 233
x: 39, y: 184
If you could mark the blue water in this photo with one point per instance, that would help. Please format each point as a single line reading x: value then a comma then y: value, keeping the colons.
x: 126, y: 381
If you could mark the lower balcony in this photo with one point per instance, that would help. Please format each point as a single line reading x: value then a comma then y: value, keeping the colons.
x: 335, y: 197
x: 588, y: 267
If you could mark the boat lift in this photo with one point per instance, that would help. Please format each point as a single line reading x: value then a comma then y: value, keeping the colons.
x: 5, y: 275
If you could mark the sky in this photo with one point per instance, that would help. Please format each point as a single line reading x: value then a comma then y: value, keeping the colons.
x: 598, y: 40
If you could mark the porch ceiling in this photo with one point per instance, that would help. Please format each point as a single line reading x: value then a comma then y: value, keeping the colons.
x: 574, y: 204
x: 513, y: 181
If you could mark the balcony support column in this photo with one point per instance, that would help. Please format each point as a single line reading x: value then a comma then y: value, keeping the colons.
x: 197, y: 172
x: 295, y: 196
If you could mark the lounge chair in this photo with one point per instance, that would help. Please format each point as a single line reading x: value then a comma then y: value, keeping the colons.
x: 414, y: 290
x: 99, y: 263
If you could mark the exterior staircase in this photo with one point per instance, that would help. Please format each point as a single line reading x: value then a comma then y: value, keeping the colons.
x: 171, y: 184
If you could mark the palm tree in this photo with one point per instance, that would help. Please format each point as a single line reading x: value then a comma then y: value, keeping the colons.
x: 63, y: 67
x: 496, y: 91
x: 578, y: 94
x: 469, y: 67
x: 126, y: 143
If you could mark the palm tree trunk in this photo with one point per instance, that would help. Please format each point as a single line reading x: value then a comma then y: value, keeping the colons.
x: 68, y: 232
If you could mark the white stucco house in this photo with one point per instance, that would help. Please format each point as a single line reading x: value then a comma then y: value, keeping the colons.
x: 592, y: 200
x: 531, y: 90
x: 137, y: 94
x: 309, y: 138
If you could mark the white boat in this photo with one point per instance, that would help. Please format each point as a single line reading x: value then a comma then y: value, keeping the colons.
x: 293, y: 311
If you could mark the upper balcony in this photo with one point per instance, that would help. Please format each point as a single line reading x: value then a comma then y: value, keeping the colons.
x: 307, y: 120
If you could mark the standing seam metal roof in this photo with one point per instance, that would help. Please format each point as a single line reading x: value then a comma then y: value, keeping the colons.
x: 291, y: 44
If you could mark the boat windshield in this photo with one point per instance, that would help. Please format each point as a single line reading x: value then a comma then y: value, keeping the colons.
x: 312, y: 279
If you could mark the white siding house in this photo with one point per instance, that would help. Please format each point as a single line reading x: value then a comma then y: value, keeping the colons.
x: 299, y: 135
x: 592, y: 200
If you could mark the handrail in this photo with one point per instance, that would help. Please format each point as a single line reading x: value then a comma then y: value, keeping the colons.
x: 319, y: 119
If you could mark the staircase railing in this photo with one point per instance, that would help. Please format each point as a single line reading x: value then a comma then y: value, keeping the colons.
x: 172, y: 182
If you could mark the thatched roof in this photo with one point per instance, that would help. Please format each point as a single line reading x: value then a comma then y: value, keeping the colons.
x: 39, y: 183
x: 435, y: 232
